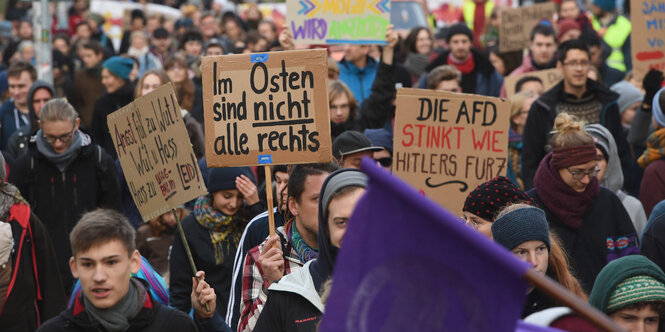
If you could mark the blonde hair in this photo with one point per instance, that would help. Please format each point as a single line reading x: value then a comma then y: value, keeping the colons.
x: 336, y: 89
x: 557, y: 262
x: 569, y: 132
x: 58, y: 110
x: 163, y: 78
x: 517, y: 101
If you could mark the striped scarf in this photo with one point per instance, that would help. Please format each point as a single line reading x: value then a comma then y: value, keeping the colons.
x: 225, y: 231
x: 305, y: 252
x: 655, y: 148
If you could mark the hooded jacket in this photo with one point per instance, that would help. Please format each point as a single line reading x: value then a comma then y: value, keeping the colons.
x: 294, y: 303
x: 488, y: 81
x: 18, y: 142
x: 540, y: 122
x: 613, y: 178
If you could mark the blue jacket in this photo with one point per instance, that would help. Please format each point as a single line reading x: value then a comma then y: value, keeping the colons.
x: 8, y: 120
x: 358, y: 80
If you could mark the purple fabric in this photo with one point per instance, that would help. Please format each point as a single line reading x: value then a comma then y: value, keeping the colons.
x: 406, y: 264
x: 526, y: 327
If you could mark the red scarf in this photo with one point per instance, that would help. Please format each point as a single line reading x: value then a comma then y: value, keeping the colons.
x: 465, y: 67
x: 560, y: 199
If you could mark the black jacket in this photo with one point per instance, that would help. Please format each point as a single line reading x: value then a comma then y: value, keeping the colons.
x: 23, y: 311
x: 105, y: 105
x: 218, y: 277
x: 483, y: 80
x: 653, y: 241
x: 60, y: 198
x: 587, y: 246
x: 540, y: 122
x: 287, y: 312
x: 153, y: 317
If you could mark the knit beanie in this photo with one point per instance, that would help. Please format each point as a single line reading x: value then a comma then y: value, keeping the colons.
x: 459, y: 28
x: 521, y: 225
x: 119, y: 66
x: 566, y: 25
x: 611, y: 291
x: 605, y: 5
x: 628, y: 95
x: 490, y: 197
x: 600, y: 141
x: 224, y: 178
x: 335, y: 182
x: 657, y: 110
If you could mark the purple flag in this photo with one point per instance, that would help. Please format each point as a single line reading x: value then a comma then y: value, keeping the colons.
x: 526, y: 327
x: 406, y: 264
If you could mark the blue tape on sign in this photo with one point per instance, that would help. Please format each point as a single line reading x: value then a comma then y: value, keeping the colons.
x: 265, y: 159
x: 258, y: 58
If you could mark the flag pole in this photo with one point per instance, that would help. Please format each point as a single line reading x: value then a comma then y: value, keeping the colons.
x: 271, y: 216
x: 187, y: 250
x: 565, y: 297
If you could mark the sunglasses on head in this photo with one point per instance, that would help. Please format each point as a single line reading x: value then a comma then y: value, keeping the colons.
x: 385, y: 161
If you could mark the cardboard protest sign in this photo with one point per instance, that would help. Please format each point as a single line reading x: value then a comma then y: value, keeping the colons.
x: 448, y: 143
x: 517, y: 23
x: 647, y: 36
x: 155, y: 153
x: 549, y: 77
x: 266, y: 109
x: 338, y: 22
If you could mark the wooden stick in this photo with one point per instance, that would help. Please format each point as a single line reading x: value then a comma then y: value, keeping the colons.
x: 271, y: 216
x: 187, y: 251
x: 565, y: 297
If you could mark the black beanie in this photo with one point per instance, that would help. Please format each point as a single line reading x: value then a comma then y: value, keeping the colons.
x: 224, y: 178
x: 492, y: 196
x: 459, y: 28
x: 521, y: 225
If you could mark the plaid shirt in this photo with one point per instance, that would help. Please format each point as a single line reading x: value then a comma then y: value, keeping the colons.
x: 255, y: 287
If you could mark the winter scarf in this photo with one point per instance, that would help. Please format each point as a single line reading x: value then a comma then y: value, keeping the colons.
x: 305, y: 252
x: 116, y: 318
x: 61, y: 160
x: 465, y: 67
x: 563, y: 201
x: 416, y: 62
x: 224, y: 230
x: 655, y: 148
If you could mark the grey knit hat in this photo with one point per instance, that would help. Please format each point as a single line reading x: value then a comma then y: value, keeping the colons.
x: 628, y: 95
x: 521, y: 225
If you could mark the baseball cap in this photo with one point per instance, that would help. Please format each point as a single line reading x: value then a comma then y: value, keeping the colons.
x: 350, y: 142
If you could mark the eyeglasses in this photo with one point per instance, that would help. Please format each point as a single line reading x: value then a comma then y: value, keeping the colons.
x: 64, y: 138
x: 579, y: 175
x: 577, y: 64
x: 385, y: 161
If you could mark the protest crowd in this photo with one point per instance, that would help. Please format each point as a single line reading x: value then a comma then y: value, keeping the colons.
x: 577, y: 193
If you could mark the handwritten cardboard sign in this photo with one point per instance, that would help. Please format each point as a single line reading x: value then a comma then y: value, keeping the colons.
x: 517, y: 23
x: 338, y: 22
x: 647, y: 36
x: 155, y: 153
x: 448, y: 143
x: 549, y: 77
x: 266, y: 109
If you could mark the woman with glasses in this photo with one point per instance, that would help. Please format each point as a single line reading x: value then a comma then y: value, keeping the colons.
x: 63, y: 175
x: 592, y: 223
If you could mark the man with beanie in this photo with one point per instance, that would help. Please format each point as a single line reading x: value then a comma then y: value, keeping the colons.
x: 631, y: 291
x: 630, y: 99
x: 295, y: 244
x: 614, y: 29
x: 484, y: 203
x: 294, y: 303
x: 119, y: 92
x: 161, y: 44
x: 542, y: 51
x: 576, y: 95
x: 478, y: 73
x: 350, y: 147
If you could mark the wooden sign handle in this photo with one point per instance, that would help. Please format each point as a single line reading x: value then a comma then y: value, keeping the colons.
x: 187, y: 250
x: 565, y: 297
x: 271, y: 216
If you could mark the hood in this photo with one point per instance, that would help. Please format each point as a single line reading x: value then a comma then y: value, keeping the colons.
x: 613, y: 179
x: 39, y: 84
x: 300, y: 282
x: 322, y: 268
